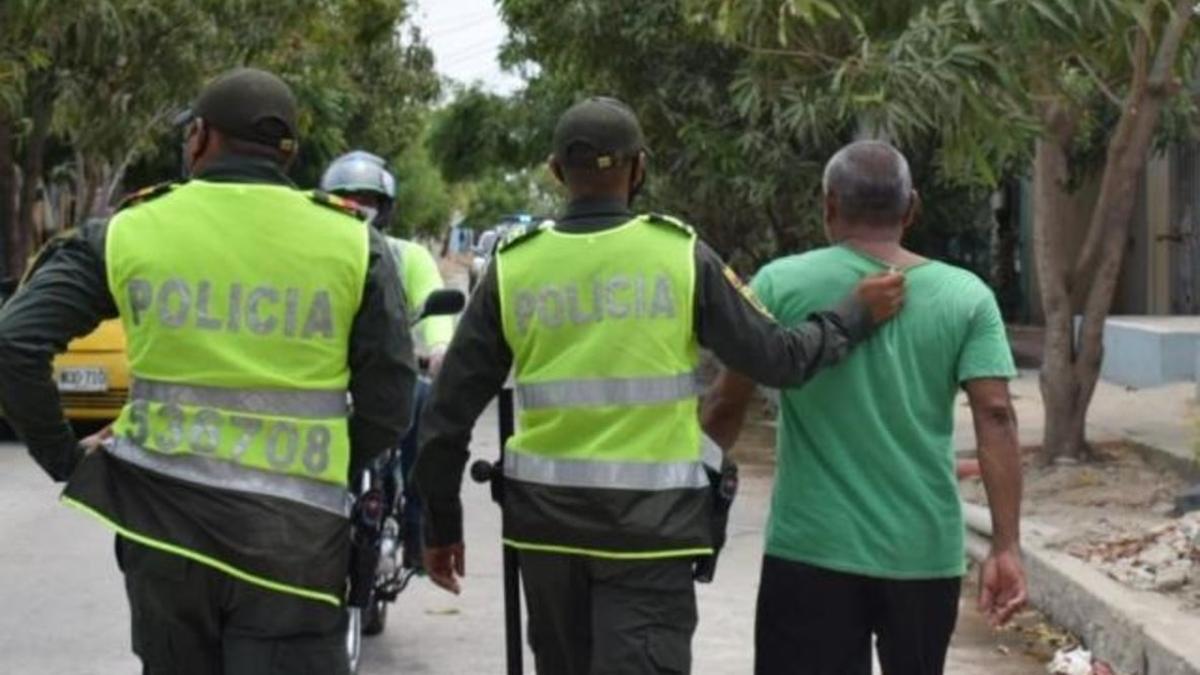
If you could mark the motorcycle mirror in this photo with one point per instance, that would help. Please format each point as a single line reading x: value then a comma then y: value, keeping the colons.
x: 442, y: 302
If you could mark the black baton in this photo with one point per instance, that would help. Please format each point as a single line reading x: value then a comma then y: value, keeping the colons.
x: 483, y: 471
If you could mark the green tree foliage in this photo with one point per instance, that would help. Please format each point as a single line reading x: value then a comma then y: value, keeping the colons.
x: 423, y: 200
x: 97, y: 81
x: 1086, y: 89
x: 496, y: 194
x: 478, y: 132
x: 744, y: 167
x: 364, y: 81
x: 975, y: 72
x: 493, y: 148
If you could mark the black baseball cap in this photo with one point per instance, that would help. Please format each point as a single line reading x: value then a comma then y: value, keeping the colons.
x: 597, y: 133
x: 249, y: 104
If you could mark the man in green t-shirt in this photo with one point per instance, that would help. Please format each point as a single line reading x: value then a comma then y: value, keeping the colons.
x: 865, y: 535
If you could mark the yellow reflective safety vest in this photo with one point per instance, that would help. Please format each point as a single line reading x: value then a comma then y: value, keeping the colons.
x: 608, y: 457
x: 420, y: 277
x: 237, y: 302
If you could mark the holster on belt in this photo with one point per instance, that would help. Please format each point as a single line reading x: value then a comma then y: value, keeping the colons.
x: 724, y: 488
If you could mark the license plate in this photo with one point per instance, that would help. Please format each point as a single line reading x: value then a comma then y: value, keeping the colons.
x: 82, y: 379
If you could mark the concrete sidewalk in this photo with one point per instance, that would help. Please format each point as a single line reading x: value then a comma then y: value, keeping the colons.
x: 1162, y: 418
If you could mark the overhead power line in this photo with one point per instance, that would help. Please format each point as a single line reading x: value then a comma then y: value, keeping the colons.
x: 470, y: 54
x: 458, y: 28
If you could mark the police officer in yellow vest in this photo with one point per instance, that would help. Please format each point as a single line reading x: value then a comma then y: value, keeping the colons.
x: 601, y: 317
x: 253, y: 312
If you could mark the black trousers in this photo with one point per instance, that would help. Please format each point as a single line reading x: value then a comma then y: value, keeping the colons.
x: 190, y: 619
x: 413, y: 541
x: 814, y: 621
x: 589, y: 616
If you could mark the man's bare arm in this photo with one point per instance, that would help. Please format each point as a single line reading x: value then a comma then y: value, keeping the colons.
x: 723, y: 411
x: 1002, y: 589
x: 999, y: 456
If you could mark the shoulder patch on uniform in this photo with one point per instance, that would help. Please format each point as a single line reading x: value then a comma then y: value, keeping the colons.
x: 661, y: 219
x: 522, y: 233
x: 146, y: 194
x: 747, y: 292
x: 332, y: 201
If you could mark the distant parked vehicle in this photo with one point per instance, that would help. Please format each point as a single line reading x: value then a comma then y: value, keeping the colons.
x: 485, y: 245
x: 93, y: 373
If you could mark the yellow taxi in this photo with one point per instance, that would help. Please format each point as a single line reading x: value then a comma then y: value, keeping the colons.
x: 93, y: 374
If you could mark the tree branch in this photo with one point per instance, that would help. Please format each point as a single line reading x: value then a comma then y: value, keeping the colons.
x: 1128, y: 145
x: 798, y: 53
x: 1141, y: 61
x: 1164, y: 62
x: 1104, y: 87
x: 1061, y: 120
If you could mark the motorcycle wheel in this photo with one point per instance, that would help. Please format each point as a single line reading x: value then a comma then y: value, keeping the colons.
x: 375, y: 618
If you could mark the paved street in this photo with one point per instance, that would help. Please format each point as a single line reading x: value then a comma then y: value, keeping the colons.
x: 64, y: 611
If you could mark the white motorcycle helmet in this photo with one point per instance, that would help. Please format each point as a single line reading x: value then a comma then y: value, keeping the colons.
x: 363, y: 177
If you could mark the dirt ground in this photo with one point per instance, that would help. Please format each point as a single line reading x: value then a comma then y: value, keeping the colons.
x: 1116, y: 514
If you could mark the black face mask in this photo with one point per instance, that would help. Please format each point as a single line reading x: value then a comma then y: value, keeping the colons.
x: 383, y: 217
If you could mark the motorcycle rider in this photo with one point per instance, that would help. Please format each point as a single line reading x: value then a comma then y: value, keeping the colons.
x: 364, y: 178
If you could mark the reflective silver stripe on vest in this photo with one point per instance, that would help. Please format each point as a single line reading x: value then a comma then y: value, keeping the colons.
x: 607, y: 391
x: 319, y: 404
x: 650, y: 476
x: 224, y: 475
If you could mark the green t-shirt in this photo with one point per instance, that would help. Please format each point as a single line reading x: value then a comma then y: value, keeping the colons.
x: 865, y: 481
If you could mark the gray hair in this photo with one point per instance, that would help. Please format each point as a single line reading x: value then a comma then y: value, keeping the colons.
x: 871, y: 181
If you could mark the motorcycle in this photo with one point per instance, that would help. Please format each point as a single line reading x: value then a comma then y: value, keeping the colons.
x: 377, y: 574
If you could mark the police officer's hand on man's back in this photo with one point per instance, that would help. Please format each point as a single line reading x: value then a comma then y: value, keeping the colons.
x: 883, y: 295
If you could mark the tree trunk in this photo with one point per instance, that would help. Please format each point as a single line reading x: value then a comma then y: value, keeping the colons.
x: 84, y: 191
x: 1065, y: 421
x: 112, y: 181
x: 8, y: 194
x: 32, y: 167
x: 1072, y: 364
x: 78, y: 189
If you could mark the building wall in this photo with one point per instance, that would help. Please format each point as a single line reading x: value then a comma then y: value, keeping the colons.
x: 1133, y: 288
x: 1180, y: 235
x: 1158, y: 214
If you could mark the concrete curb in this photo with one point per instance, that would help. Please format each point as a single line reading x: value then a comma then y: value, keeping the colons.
x: 1184, y: 467
x: 1137, y: 632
